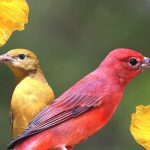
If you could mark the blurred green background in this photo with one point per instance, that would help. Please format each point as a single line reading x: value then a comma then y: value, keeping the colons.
x: 71, y: 38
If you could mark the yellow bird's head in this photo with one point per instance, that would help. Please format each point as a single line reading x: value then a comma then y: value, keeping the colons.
x: 22, y: 62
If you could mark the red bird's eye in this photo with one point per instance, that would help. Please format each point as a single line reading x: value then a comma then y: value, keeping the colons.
x: 133, y: 61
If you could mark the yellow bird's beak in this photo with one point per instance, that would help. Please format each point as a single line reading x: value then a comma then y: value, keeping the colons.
x: 5, y: 58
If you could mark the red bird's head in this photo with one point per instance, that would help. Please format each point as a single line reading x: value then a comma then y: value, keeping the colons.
x: 125, y: 64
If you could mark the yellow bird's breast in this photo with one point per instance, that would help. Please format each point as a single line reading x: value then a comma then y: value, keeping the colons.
x: 29, y: 98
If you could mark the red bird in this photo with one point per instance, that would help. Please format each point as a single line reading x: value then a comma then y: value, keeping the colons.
x: 85, y: 108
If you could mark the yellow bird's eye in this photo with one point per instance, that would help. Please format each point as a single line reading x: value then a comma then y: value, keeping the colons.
x: 22, y: 56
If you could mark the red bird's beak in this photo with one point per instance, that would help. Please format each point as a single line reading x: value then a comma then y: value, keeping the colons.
x: 146, y: 63
x: 5, y: 58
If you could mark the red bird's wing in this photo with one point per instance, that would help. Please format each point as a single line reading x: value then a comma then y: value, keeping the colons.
x: 62, y: 109
x: 59, y: 112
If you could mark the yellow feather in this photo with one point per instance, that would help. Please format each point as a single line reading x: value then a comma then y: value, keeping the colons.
x: 32, y: 92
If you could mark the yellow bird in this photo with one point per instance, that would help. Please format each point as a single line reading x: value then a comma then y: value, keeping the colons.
x: 32, y: 92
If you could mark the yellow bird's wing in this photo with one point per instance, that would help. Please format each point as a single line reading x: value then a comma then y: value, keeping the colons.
x: 29, y: 98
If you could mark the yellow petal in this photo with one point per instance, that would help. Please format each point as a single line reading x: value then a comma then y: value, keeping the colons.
x: 13, y: 16
x: 140, y: 126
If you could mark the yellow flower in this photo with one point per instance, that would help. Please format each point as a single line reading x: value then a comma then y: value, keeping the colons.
x: 13, y: 16
x: 140, y: 126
